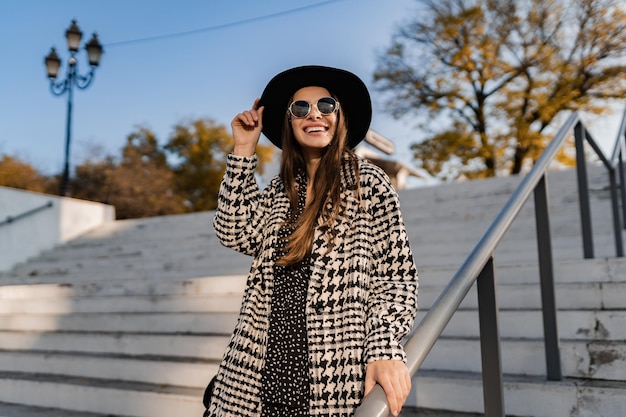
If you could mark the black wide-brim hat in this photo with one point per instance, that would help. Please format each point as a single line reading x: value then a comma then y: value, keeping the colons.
x: 351, y: 92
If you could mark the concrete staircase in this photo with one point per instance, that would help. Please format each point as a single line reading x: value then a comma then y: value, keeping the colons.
x: 132, y: 318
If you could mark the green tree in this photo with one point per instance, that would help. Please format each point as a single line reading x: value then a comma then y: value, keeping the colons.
x: 199, y: 148
x: 504, y: 70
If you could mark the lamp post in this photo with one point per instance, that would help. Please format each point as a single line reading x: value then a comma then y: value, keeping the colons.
x: 58, y: 88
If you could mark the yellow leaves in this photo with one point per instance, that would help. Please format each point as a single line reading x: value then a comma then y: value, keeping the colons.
x: 505, y: 70
x: 200, y: 148
x: 148, y: 179
x: 265, y: 155
x: 16, y: 173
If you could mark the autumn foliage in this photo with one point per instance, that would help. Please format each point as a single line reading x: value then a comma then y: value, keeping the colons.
x: 485, y: 78
x: 147, y: 179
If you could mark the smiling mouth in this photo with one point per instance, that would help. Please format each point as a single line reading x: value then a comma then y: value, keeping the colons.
x: 314, y: 129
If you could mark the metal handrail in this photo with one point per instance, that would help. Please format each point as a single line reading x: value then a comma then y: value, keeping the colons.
x: 13, y: 219
x: 617, y: 161
x: 478, y: 267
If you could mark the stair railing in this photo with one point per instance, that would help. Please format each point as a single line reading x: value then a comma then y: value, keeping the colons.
x: 13, y: 219
x: 617, y: 161
x: 479, y: 268
x: 614, y: 166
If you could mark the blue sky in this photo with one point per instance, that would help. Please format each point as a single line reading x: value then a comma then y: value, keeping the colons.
x: 212, y: 73
x: 157, y: 83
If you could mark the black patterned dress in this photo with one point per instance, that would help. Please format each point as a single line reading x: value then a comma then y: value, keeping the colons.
x: 285, y: 378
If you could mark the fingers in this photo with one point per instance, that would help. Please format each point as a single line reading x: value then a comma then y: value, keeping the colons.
x: 370, y: 383
x: 394, y: 378
x: 397, y: 391
x: 249, y: 119
x: 255, y: 105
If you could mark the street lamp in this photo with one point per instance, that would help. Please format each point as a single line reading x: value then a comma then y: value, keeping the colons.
x: 58, y: 88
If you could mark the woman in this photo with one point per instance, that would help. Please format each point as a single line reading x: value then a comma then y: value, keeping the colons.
x: 333, y: 287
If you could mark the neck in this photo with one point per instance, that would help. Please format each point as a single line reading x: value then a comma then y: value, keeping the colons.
x: 311, y: 167
x: 312, y: 159
x: 312, y: 163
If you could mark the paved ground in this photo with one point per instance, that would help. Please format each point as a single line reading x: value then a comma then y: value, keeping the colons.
x: 415, y: 412
x: 15, y: 410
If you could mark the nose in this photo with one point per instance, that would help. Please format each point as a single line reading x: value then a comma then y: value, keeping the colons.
x: 315, y: 113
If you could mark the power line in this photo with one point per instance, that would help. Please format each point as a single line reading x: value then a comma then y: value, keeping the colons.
x: 218, y: 27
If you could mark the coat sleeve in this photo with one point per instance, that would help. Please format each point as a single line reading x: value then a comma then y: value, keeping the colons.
x: 240, y: 209
x: 392, y: 298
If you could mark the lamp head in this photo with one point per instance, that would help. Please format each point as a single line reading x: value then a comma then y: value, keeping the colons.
x: 53, y: 63
x: 94, y: 50
x: 73, y: 35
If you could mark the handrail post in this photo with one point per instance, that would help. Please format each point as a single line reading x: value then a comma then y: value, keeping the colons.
x: 622, y: 187
x: 493, y: 391
x: 546, y: 275
x: 583, y: 191
x: 617, y: 226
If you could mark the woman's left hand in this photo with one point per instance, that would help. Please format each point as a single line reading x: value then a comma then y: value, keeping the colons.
x: 393, y: 376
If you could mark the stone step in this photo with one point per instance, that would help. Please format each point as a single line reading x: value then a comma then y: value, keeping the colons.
x: 565, y: 271
x: 425, y: 412
x: 100, y: 396
x: 124, y: 304
x: 580, y: 358
x: 526, y: 324
x: 217, y: 285
x: 21, y: 410
x: 459, y: 393
x: 137, y: 229
x: 190, y: 250
x: 569, y: 296
x: 602, y: 360
x: 523, y: 296
x: 228, y: 262
x: 423, y: 236
x: 577, y: 296
x: 201, y: 254
x: 425, y: 242
x: 215, y: 263
x: 523, y: 396
x: 157, y: 370
x: 174, y: 323
x: 206, y: 347
x: 561, y: 184
x: 417, y: 206
x: 125, y: 320
x: 198, y: 242
x: 142, y: 233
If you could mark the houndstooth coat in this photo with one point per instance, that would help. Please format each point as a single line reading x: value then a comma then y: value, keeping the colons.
x: 362, y: 294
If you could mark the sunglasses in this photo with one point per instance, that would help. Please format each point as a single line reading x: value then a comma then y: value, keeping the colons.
x: 301, y: 108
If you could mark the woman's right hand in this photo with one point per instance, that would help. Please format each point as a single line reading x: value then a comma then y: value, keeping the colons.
x: 247, y: 128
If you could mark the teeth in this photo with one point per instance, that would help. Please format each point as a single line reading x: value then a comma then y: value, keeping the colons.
x: 315, y: 129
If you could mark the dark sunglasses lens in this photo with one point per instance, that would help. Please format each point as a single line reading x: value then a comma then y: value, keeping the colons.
x: 326, y: 105
x: 300, y: 108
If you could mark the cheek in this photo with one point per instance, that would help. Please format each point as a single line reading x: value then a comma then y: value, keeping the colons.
x: 334, y: 124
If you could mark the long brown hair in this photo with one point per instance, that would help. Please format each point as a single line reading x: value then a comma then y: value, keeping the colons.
x: 326, y: 201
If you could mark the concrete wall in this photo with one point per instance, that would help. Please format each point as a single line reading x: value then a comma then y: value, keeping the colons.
x: 65, y: 219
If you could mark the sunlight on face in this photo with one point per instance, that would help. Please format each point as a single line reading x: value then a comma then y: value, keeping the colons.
x: 314, y: 131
